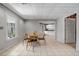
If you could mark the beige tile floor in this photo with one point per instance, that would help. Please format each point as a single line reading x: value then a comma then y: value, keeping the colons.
x: 52, y: 48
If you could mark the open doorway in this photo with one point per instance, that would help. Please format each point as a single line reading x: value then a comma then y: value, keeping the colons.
x: 70, y: 30
x: 49, y: 28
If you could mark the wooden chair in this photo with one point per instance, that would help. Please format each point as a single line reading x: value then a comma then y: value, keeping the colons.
x: 26, y: 37
x: 41, y: 36
x: 31, y: 40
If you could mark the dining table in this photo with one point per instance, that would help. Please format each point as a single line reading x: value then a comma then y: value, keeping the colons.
x: 32, y: 39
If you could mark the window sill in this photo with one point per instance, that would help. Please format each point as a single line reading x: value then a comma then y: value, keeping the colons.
x: 11, y: 38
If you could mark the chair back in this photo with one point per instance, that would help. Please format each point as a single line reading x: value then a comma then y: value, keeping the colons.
x: 25, y: 36
x: 41, y: 35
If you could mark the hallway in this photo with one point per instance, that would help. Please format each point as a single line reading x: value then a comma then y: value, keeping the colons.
x: 52, y: 48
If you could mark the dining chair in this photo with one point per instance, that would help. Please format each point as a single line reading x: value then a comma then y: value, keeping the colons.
x: 31, y: 40
x: 25, y: 36
x: 41, y: 36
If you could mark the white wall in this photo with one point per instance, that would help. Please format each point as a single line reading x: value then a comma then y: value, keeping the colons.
x: 77, y: 32
x: 2, y: 31
x: 31, y: 26
x: 4, y: 42
x: 60, y: 30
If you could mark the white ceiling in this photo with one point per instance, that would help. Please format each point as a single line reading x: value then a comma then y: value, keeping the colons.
x: 42, y: 11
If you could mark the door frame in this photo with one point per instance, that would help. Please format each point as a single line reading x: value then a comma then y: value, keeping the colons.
x: 75, y: 27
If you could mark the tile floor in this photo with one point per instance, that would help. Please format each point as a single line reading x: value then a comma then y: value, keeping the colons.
x: 51, y: 48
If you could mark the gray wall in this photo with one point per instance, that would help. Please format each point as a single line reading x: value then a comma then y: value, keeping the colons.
x: 60, y: 30
x: 77, y: 33
x: 5, y: 43
x: 31, y: 26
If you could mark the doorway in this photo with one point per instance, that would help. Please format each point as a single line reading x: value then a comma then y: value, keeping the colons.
x: 70, y: 30
x: 49, y: 28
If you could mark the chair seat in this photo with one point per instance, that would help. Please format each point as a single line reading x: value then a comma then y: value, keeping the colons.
x: 32, y: 40
x: 41, y: 38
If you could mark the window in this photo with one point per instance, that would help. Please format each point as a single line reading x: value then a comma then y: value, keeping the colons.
x: 11, y: 30
x: 11, y: 25
x: 50, y: 27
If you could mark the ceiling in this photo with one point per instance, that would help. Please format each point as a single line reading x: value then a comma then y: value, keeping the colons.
x: 42, y: 11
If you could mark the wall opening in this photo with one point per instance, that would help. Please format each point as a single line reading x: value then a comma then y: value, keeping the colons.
x: 70, y: 30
